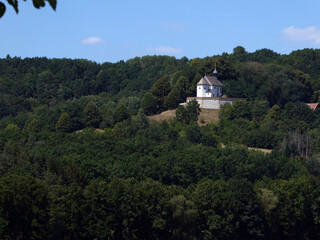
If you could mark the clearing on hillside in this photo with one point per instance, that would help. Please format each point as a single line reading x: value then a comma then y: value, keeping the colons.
x: 206, y: 116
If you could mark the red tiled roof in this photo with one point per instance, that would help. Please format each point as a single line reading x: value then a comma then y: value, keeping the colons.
x: 313, y: 106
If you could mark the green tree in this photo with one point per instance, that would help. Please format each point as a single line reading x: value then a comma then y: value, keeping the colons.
x: 12, y: 131
x: 153, y: 217
x: 149, y: 103
x: 216, y: 219
x: 140, y: 121
x: 161, y: 88
x: 178, y: 94
x: 193, y: 110
x: 297, y: 111
x: 12, y: 128
x: 184, y: 216
x: 194, y: 133
x: 23, y: 208
x: 189, y: 113
x: 120, y: 114
x: 193, y: 87
x: 4, y: 108
x: 241, y: 109
x: 183, y: 86
x: 64, y: 124
x: 97, y: 211
x: 240, y: 53
x: 176, y: 76
x: 181, y: 114
x: 132, y: 104
x: 263, y: 55
x: 66, y: 211
x: 294, y: 206
x: 34, y: 126
x: 259, y: 110
x: 268, y: 201
x: 226, y: 112
x: 274, y: 113
x: 153, y: 101
x: 173, y: 99
x: 249, y: 222
x: 91, y: 115
x: 45, y: 86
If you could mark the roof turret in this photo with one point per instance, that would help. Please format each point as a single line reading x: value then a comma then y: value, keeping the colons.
x: 215, y: 72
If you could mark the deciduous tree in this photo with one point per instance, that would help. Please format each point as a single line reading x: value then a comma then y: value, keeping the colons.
x: 149, y: 104
x: 23, y: 208
x: 91, y: 115
x: 120, y: 114
x: 64, y: 123
x: 34, y: 126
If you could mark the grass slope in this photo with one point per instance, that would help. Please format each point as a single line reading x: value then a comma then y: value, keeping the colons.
x: 206, y: 116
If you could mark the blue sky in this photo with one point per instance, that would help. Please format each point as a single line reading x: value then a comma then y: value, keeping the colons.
x: 109, y: 31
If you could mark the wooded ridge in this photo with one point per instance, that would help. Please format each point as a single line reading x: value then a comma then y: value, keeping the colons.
x: 136, y: 178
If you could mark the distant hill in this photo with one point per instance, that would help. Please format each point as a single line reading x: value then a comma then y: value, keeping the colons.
x: 43, y: 86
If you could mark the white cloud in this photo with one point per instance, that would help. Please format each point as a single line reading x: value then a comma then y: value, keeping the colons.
x: 309, y: 34
x: 173, y: 26
x: 92, y: 40
x: 164, y: 50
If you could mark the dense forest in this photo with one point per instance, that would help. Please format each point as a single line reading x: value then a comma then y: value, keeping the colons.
x: 80, y: 159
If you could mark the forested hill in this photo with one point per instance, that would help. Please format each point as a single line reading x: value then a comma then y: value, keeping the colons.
x: 263, y: 74
x: 79, y: 159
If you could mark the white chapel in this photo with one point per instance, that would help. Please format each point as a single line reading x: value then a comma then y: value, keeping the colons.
x: 209, y: 86
x: 209, y: 93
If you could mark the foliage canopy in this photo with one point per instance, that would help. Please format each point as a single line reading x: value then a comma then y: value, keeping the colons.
x: 36, y: 3
x: 139, y: 179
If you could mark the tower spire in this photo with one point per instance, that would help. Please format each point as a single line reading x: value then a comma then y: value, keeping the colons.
x: 215, y: 72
